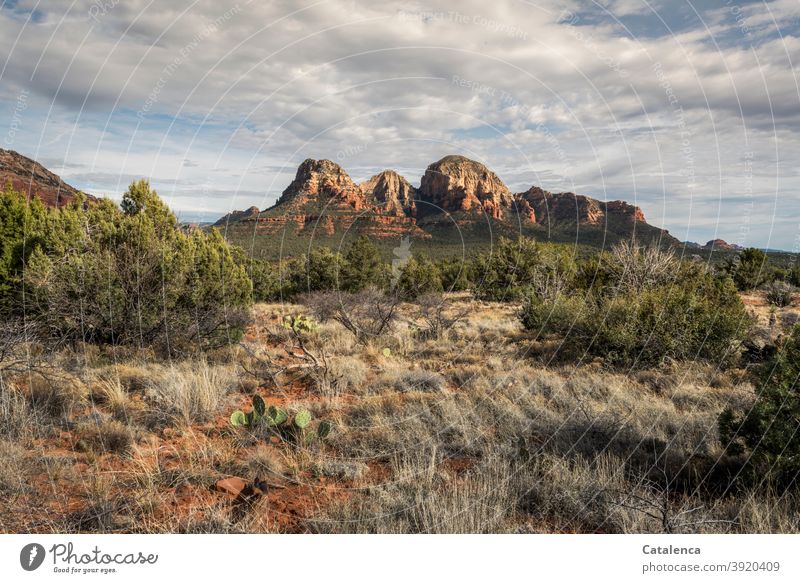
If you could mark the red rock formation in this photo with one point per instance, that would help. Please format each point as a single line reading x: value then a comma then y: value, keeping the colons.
x: 722, y: 244
x: 323, y: 199
x: 317, y: 180
x: 456, y: 183
x: 392, y: 192
x: 33, y: 179
x: 568, y: 208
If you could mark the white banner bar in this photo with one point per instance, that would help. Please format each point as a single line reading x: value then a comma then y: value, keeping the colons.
x: 440, y: 558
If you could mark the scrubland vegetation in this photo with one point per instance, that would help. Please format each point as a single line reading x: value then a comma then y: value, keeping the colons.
x: 145, y: 367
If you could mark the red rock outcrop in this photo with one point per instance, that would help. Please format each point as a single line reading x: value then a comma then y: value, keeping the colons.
x: 722, y: 244
x: 34, y: 180
x: 317, y: 180
x: 392, y: 192
x: 552, y: 209
x: 456, y: 183
x: 323, y: 199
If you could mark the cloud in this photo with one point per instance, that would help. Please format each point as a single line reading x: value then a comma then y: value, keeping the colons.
x: 684, y: 111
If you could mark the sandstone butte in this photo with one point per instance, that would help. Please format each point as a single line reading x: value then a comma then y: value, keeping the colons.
x: 323, y: 198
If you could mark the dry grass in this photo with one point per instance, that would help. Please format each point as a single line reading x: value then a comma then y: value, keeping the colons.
x: 469, y: 432
x: 192, y: 391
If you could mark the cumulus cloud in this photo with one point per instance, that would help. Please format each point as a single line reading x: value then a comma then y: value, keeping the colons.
x: 691, y: 111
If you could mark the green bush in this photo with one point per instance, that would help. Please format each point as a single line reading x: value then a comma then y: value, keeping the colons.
x: 419, y: 276
x: 749, y: 269
x: 267, y: 281
x: 130, y: 276
x: 320, y: 270
x: 694, y: 319
x: 507, y: 272
x: 363, y: 267
x: 456, y: 274
x: 770, y: 431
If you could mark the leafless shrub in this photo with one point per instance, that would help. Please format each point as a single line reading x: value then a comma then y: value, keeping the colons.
x: 367, y: 314
x: 635, y: 268
x: 436, y: 315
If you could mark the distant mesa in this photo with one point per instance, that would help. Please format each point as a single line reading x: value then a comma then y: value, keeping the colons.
x: 722, y: 244
x: 34, y: 180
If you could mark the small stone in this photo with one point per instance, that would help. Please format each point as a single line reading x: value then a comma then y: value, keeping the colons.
x: 232, y: 486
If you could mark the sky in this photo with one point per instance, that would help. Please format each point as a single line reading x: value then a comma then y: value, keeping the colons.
x: 689, y: 109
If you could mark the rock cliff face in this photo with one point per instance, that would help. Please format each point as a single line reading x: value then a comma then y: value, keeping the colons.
x: 318, y: 180
x: 391, y: 191
x: 552, y: 209
x: 34, y: 180
x: 455, y: 183
x: 323, y: 201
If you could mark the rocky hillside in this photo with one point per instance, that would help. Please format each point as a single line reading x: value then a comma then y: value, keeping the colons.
x: 30, y: 177
x: 458, y: 201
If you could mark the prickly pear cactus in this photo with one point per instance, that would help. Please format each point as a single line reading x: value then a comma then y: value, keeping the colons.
x: 300, y: 324
x: 324, y: 429
x: 259, y: 406
x: 238, y: 419
x: 276, y: 416
x: 302, y: 419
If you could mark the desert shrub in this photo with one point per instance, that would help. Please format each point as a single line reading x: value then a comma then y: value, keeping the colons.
x: 455, y: 274
x: 28, y: 229
x: 558, y: 315
x: 793, y: 276
x: 699, y: 319
x: 367, y: 314
x: 135, y: 277
x: 593, y: 272
x: 633, y: 268
x: 419, y: 276
x: 779, y: 293
x: 363, y: 267
x: 434, y: 315
x: 770, y: 430
x: 748, y: 269
x: 266, y: 278
x: 319, y: 271
x: 507, y: 272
